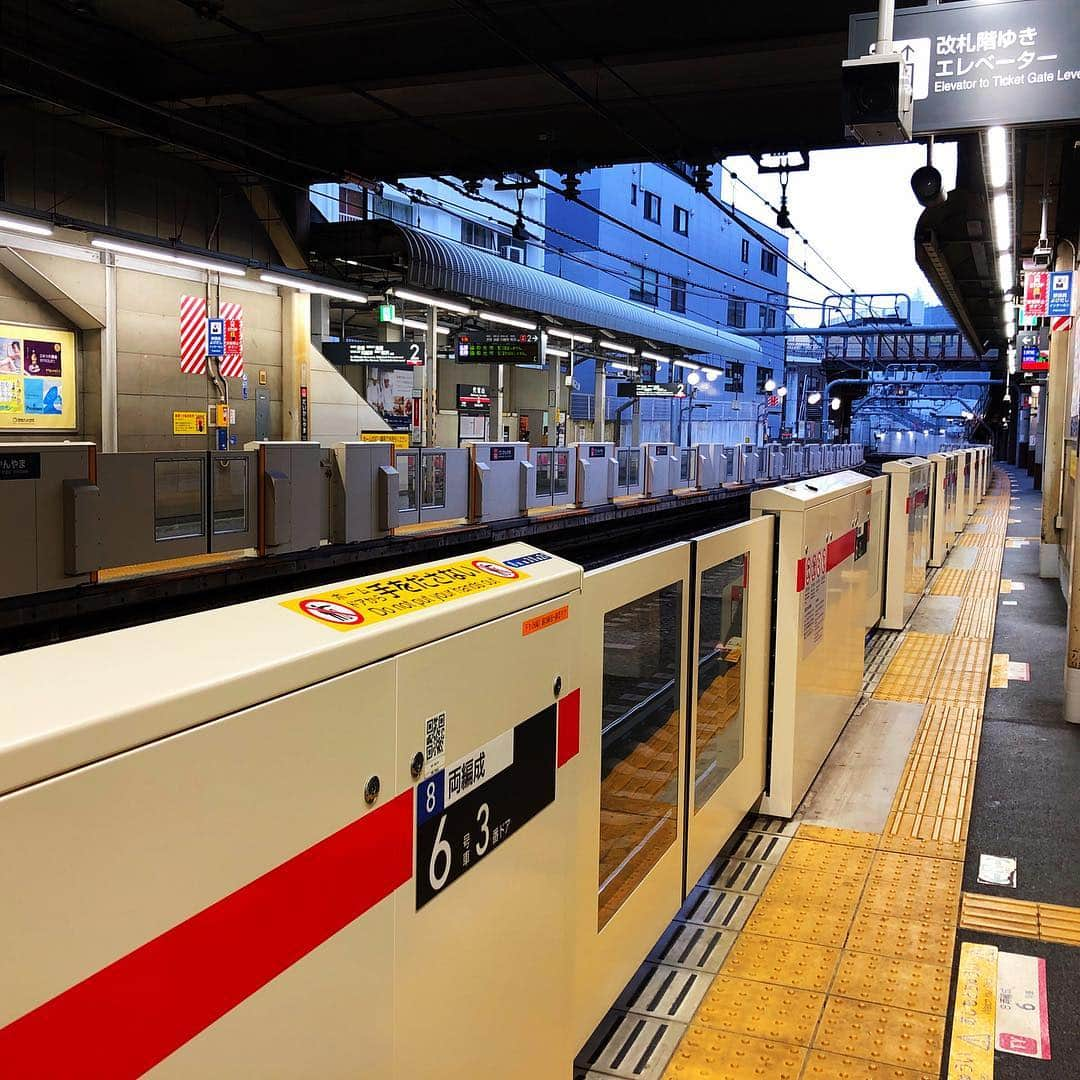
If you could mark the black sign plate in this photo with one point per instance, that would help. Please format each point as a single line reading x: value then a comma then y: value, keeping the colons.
x: 502, y: 453
x: 496, y: 347
x: 20, y: 466
x: 473, y: 398
x: 597, y: 451
x: 374, y: 352
x: 470, y: 808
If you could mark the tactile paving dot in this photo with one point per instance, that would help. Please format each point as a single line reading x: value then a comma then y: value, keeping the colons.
x: 936, y: 849
x: 768, y: 1012
x: 887, y: 980
x: 828, y: 858
x: 913, y: 887
x: 708, y: 1054
x: 775, y: 960
x: 912, y: 1040
x: 888, y: 935
x: 819, y: 925
x: 822, y: 1066
x: 844, y: 837
x: 813, y: 888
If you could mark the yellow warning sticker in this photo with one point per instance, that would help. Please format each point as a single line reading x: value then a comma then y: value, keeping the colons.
x: 971, y: 1050
x: 351, y: 607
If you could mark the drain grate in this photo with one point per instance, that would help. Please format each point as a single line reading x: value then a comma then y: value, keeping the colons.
x: 693, y: 946
x: 761, y: 847
x: 664, y: 992
x: 717, y: 908
x: 629, y: 1045
x: 775, y: 826
x: 738, y: 875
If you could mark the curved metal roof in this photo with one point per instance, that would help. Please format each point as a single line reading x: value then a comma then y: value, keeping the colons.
x: 435, y: 263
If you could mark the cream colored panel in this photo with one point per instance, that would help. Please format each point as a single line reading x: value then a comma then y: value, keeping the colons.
x: 111, y: 855
x: 879, y: 524
x: 483, y: 968
x: 712, y: 821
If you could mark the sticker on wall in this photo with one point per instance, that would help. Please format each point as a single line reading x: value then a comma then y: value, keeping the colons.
x: 37, y: 378
x: 434, y: 743
x: 814, y: 599
x: 365, y: 603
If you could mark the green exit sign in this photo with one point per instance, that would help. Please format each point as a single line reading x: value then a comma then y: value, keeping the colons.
x: 386, y: 313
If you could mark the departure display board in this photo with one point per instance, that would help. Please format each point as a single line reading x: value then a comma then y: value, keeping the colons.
x: 498, y: 347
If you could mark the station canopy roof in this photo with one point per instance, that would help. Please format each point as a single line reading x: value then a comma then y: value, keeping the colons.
x: 421, y: 260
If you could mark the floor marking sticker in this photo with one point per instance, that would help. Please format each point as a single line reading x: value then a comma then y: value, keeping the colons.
x: 1019, y: 671
x: 997, y: 870
x: 1009, y: 603
x: 971, y: 1048
x: 1023, y: 1025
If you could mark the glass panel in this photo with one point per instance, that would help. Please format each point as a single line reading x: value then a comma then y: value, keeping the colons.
x: 639, y: 766
x: 434, y: 479
x: 562, y: 472
x: 230, y: 495
x: 624, y: 457
x: 406, y: 467
x: 543, y: 473
x: 179, y: 500
x: 634, y: 470
x: 719, y: 724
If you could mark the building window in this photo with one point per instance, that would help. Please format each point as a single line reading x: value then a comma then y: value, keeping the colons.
x: 764, y: 374
x: 652, y: 207
x: 648, y: 287
x: 744, y: 251
x: 768, y: 261
x: 678, y: 295
x: 735, y: 374
x: 350, y: 203
x: 479, y: 236
x: 680, y: 220
x: 767, y: 317
x: 736, y: 314
x: 633, y: 194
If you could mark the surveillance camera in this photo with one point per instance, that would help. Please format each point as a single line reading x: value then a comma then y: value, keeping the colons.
x: 927, y: 185
x: 876, y: 100
x: 1043, y: 255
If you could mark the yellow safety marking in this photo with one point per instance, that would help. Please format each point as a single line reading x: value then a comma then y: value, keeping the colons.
x: 952, y: 581
x: 708, y: 1054
x: 844, y: 837
x: 755, y: 1008
x: 967, y: 686
x: 797, y: 922
x: 911, y: 670
x: 1006, y: 585
x: 1059, y: 923
x: 822, y: 1066
x: 351, y: 607
x: 911, y: 1040
x: 908, y: 939
x: 999, y: 915
x: 913, y: 887
x: 827, y: 858
x: 975, y: 618
x: 887, y: 980
x: 971, y: 1048
x: 999, y: 672
x: 966, y: 654
x: 775, y: 960
x: 812, y: 888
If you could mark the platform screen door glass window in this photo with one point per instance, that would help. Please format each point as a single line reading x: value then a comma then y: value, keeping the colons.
x: 722, y: 630
x: 434, y: 481
x: 179, y: 498
x: 639, y: 766
x: 229, y: 495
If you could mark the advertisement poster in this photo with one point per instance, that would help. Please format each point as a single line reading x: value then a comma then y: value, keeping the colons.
x: 1036, y: 288
x: 37, y: 378
x: 388, y: 389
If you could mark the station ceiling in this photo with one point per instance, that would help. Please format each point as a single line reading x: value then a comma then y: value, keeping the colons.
x: 389, y: 88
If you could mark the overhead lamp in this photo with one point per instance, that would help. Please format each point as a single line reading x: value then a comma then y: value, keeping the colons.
x: 813, y: 397
x: 1036, y: 390
x: 621, y: 367
x: 997, y: 148
x: 689, y: 365
x: 941, y: 431
x: 1010, y: 328
x: 835, y: 404
x: 549, y: 351
x: 770, y: 385
x: 711, y: 374
x: 432, y: 301
x: 693, y: 378
x: 926, y: 431
x: 416, y: 324
x: 1002, y: 229
x: 614, y: 346
x: 1005, y: 271
x: 781, y: 391
x: 167, y: 256
x: 568, y: 336
x: 314, y: 287
x: 506, y: 320
x: 15, y: 225
x: 645, y: 355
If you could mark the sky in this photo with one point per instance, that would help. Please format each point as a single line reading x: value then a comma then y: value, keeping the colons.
x: 856, y: 207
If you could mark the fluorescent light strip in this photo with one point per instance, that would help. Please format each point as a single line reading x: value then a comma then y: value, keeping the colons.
x: 313, y: 287
x: 1005, y: 271
x: 1002, y: 221
x: 654, y: 356
x: 167, y: 256
x: 616, y: 347
x: 620, y: 367
x: 432, y: 301
x: 505, y: 320
x: 24, y: 227
x: 416, y: 324
x: 568, y: 336
x: 997, y: 150
x: 549, y: 351
x: 686, y: 364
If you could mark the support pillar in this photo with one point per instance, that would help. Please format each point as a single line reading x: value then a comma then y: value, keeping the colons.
x: 554, y: 402
x: 429, y: 405
x: 599, y: 399
x: 295, y: 365
x: 110, y: 435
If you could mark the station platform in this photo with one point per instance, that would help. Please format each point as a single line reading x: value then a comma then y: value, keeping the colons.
x: 857, y: 940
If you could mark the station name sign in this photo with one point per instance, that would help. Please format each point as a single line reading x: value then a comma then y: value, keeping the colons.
x: 497, y: 347
x: 973, y: 65
x: 473, y: 398
x: 374, y: 352
x: 650, y: 389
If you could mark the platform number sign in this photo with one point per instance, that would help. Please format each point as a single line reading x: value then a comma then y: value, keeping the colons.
x: 472, y: 806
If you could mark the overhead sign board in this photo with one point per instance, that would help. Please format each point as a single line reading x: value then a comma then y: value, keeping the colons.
x: 1060, y: 298
x: 976, y: 64
x: 498, y: 347
x: 374, y: 352
x: 472, y: 397
x: 1036, y: 293
x: 648, y: 389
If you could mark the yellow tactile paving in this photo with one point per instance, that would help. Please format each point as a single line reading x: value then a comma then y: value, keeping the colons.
x: 911, y: 1040
x: 786, y: 963
x: 999, y: 672
x: 888, y: 980
x: 844, y: 837
x: 1059, y: 923
x: 798, y: 922
x: 813, y: 888
x: 907, y: 939
x: 909, y: 674
x: 966, y: 654
x: 708, y: 1054
x: 913, y: 887
x: 822, y: 1066
x: 827, y: 858
x: 999, y: 914
x: 952, y: 581
x: 936, y: 849
x: 776, y: 1013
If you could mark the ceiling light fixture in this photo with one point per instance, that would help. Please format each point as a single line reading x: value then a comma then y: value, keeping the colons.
x: 313, y: 287
x: 997, y: 147
x: 506, y: 320
x: 158, y: 255
x: 24, y: 227
x: 614, y: 346
x: 432, y: 301
x: 568, y: 336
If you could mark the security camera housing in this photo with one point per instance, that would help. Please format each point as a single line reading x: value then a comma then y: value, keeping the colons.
x: 876, y: 100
